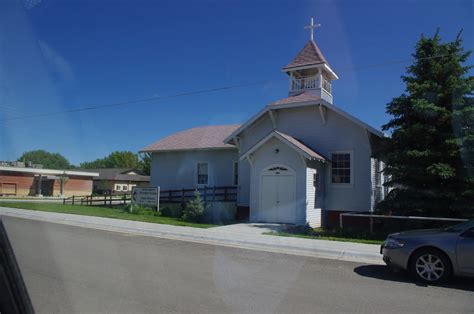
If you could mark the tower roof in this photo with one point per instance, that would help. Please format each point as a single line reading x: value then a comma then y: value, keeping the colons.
x: 309, y: 55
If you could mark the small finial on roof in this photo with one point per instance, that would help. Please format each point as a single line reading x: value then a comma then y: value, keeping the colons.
x: 311, y: 28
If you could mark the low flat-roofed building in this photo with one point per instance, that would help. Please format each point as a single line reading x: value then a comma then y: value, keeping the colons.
x: 31, y: 181
x: 117, y: 180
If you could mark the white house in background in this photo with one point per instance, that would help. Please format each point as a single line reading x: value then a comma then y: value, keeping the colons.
x: 299, y: 160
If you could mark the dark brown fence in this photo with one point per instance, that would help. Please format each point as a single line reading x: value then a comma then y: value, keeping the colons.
x: 208, y: 194
x: 103, y: 200
x: 385, y: 224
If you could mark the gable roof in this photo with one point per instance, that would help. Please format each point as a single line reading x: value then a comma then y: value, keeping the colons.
x: 309, y: 55
x: 301, y: 100
x: 205, y: 137
x: 301, y: 97
x: 119, y: 174
x: 291, y: 142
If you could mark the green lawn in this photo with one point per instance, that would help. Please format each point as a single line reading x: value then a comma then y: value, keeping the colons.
x: 118, y: 213
x: 322, y: 237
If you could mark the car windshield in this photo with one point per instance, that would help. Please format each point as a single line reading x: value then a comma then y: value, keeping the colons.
x: 460, y: 227
x: 236, y: 156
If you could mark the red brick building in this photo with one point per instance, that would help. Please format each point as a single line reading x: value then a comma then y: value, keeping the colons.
x: 24, y: 181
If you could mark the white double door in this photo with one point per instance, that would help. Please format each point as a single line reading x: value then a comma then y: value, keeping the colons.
x: 277, y: 203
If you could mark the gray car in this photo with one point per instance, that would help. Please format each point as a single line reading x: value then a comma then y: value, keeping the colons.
x: 433, y: 255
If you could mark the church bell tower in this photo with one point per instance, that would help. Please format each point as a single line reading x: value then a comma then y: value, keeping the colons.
x: 309, y: 71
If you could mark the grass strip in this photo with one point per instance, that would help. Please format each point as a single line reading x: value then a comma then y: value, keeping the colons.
x: 322, y: 237
x: 116, y: 212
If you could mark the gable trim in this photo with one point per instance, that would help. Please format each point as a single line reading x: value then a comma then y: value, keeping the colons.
x: 322, y: 112
x: 261, y: 113
x: 276, y: 134
x: 245, y: 125
x: 273, y: 118
x: 346, y: 115
x: 320, y: 102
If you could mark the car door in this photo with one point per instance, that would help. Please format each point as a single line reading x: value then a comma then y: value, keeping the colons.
x: 465, y: 252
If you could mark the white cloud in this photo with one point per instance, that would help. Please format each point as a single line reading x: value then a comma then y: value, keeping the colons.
x: 60, y: 67
x: 30, y: 4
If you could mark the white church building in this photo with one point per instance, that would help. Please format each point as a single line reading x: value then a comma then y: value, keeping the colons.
x: 300, y: 160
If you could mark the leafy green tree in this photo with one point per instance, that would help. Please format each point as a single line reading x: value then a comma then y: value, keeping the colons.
x: 125, y: 159
x: 117, y: 159
x: 47, y: 159
x: 429, y: 155
x: 96, y: 164
x: 145, y: 163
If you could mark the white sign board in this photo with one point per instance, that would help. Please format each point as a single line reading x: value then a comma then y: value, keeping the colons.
x: 146, y: 196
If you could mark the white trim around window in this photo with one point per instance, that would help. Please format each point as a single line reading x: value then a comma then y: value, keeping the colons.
x: 199, y: 181
x: 351, y: 168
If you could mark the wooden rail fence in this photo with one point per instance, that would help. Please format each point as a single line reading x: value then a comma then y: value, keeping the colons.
x: 101, y: 200
x: 385, y: 224
x: 208, y: 194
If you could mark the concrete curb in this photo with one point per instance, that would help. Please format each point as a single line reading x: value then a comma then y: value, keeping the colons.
x: 268, y: 243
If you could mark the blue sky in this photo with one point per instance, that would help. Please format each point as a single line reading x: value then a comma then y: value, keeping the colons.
x: 59, y: 55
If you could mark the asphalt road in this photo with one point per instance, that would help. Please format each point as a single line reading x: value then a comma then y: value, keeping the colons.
x: 70, y: 269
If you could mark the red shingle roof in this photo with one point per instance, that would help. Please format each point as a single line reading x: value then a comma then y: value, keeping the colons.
x: 309, y: 55
x: 302, y: 97
x: 301, y: 146
x: 196, y: 138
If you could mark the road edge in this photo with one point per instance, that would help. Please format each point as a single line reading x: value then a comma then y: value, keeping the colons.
x: 318, y: 252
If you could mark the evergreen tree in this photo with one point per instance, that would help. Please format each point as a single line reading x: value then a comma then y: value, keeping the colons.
x: 430, y: 153
x: 194, y: 210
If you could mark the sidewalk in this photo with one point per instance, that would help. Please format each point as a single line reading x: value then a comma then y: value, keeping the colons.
x: 32, y: 200
x: 243, y: 236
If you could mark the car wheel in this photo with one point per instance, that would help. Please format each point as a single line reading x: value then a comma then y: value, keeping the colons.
x: 430, y: 266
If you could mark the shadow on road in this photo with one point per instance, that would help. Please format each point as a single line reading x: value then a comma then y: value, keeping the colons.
x: 383, y: 272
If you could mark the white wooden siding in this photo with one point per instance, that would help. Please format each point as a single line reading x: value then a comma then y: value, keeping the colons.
x: 372, y: 183
x: 266, y: 156
x: 177, y: 170
x: 377, y: 178
x: 310, y: 190
x: 244, y: 183
x: 313, y: 215
x: 338, y: 134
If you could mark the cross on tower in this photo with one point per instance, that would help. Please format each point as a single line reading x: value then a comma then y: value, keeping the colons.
x: 311, y: 28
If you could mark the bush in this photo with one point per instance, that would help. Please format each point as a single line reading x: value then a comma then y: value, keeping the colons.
x: 194, y: 210
x: 335, y: 232
x: 166, y: 212
x: 170, y: 211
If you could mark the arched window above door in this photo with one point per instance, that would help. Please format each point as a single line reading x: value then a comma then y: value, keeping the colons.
x: 278, y: 168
